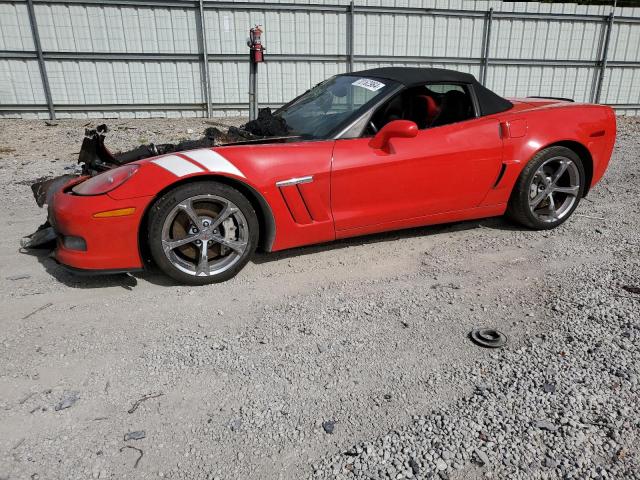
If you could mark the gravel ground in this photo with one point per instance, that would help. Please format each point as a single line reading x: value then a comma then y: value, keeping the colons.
x: 342, y: 360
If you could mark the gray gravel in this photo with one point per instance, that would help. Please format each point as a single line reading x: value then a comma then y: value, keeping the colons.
x: 589, y: 427
x: 342, y: 360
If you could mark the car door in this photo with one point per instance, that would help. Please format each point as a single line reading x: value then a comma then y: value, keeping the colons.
x: 443, y: 169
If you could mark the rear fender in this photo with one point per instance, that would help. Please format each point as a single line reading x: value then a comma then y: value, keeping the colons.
x: 587, y: 129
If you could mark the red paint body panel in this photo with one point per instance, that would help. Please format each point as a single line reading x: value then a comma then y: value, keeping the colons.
x: 448, y: 168
x: 112, y: 243
x: 449, y: 173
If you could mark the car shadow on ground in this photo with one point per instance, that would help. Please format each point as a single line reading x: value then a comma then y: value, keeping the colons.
x: 495, y: 223
x: 127, y: 281
x: 156, y: 277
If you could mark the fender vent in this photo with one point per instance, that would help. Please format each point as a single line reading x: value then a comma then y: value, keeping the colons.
x: 303, y: 201
x: 296, y: 204
x: 503, y: 169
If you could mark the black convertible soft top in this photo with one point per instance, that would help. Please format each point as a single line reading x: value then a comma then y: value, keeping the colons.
x: 412, y: 77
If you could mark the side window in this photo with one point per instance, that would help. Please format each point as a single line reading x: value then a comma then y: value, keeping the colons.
x: 443, y: 88
x: 446, y: 103
x: 431, y: 105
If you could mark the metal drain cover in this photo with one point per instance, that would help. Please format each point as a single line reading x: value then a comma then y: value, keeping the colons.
x: 488, y: 337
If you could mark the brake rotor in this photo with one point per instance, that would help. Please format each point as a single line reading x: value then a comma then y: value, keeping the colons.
x: 182, y: 227
x: 488, y: 337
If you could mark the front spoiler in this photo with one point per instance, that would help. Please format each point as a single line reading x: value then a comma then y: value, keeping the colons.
x: 83, y: 272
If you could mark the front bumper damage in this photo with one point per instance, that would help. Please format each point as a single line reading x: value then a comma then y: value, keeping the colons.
x: 93, y: 158
x: 83, y: 242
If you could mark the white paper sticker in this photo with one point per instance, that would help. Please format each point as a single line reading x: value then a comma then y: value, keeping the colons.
x: 369, y: 84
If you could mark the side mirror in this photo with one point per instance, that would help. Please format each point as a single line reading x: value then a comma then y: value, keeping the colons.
x: 394, y: 129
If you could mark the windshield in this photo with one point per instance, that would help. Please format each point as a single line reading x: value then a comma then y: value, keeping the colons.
x: 319, y: 112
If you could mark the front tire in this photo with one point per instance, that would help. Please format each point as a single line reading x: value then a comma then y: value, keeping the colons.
x: 548, y: 189
x: 203, y: 232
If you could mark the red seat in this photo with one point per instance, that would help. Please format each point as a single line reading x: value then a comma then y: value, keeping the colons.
x: 432, y: 108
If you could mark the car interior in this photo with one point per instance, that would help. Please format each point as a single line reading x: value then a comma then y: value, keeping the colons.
x: 428, y: 106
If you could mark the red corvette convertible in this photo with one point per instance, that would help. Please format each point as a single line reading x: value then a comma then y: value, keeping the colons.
x: 365, y: 152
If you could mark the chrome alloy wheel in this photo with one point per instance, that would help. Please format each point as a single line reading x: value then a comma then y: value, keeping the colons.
x: 205, y: 235
x: 554, y: 189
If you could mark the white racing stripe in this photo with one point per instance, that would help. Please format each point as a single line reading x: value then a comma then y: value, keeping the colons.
x: 213, y: 161
x: 176, y: 165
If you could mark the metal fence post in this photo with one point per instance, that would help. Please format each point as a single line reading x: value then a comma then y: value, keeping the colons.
x: 603, y: 59
x: 253, y: 90
x: 43, y: 68
x: 350, y: 36
x: 486, y: 42
x: 205, y: 61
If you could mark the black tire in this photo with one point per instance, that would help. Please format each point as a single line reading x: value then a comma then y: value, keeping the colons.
x: 519, y: 209
x: 165, y: 205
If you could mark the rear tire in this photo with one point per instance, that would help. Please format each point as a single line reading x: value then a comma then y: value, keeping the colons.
x: 548, y: 189
x: 203, y: 232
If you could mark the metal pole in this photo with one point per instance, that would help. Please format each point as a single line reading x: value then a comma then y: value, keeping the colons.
x: 205, y: 61
x: 253, y: 84
x: 43, y: 69
x: 603, y: 60
x: 351, y: 35
x: 488, y: 19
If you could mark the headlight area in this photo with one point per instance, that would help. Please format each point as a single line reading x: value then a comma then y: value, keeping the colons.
x: 98, y: 232
x: 106, y: 181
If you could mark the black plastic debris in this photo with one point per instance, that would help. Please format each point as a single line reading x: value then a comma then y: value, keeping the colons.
x: 267, y: 125
x: 329, y: 426
x: 137, y: 435
x: 631, y: 289
x: 68, y: 400
x: 480, y: 457
x: 545, y: 425
x: 94, y: 156
x: 488, y: 338
x: 20, y: 276
x: 43, y: 189
x: 44, y: 237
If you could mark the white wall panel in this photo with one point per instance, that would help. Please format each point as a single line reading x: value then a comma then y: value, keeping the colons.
x: 91, y: 28
x: 625, y: 42
x: 94, y: 28
x: 20, y: 82
x: 523, y: 81
x: 622, y: 85
x: 89, y: 82
x: 417, y: 35
x: 15, y: 32
x: 542, y: 39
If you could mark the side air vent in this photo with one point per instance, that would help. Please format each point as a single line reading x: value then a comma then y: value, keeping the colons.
x: 302, y: 200
x: 503, y: 169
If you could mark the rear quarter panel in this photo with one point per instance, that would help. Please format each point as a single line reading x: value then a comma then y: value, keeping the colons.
x: 528, y: 131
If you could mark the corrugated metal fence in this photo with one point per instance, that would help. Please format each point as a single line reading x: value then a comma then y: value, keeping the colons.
x: 125, y: 58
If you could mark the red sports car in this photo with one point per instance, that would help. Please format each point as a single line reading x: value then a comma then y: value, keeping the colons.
x: 365, y: 152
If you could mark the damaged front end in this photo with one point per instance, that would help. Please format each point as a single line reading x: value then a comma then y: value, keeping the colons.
x: 95, y: 158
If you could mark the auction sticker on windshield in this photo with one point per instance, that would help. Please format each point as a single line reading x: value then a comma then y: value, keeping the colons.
x: 369, y: 84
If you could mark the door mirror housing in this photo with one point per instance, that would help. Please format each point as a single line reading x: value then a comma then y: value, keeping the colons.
x: 394, y: 129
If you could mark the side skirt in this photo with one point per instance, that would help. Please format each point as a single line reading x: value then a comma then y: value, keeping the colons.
x: 435, y: 219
